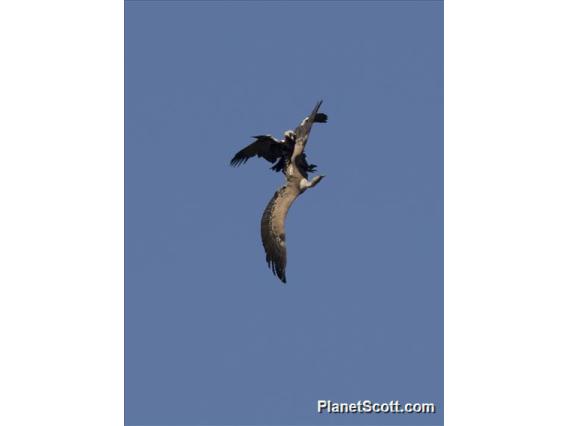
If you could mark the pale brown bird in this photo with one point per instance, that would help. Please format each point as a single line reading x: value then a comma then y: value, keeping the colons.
x: 289, y: 156
x: 272, y: 226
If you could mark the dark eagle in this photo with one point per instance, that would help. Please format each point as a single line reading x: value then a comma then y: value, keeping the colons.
x: 290, y: 158
x: 276, y: 151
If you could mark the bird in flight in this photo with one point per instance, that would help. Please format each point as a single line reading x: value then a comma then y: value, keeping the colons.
x: 276, y: 151
x: 290, y: 159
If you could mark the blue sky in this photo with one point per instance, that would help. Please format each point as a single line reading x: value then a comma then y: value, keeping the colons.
x: 212, y: 337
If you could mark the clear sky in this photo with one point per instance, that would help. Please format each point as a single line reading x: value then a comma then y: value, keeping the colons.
x: 212, y: 337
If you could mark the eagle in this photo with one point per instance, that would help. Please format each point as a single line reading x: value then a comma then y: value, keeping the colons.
x: 276, y: 151
x: 290, y: 159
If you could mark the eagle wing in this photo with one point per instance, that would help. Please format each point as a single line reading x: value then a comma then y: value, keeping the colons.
x: 265, y: 146
x: 272, y: 229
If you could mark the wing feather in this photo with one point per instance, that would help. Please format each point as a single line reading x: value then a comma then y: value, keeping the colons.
x: 320, y: 118
x: 265, y: 146
x: 273, y: 232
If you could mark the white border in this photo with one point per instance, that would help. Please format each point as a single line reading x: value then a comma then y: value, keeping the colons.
x: 61, y: 192
x: 506, y: 212
x: 61, y: 214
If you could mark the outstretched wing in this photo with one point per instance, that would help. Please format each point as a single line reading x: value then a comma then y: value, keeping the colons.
x: 272, y: 229
x: 265, y: 146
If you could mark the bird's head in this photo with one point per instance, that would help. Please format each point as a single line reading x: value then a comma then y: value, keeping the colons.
x: 289, y: 136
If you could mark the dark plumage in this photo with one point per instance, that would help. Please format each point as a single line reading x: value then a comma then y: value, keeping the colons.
x: 265, y: 146
x: 276, y: 151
